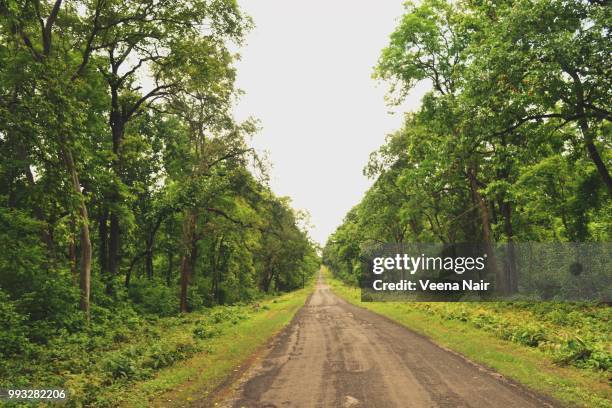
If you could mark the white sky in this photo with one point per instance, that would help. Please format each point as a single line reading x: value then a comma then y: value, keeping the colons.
x: 306, y: 70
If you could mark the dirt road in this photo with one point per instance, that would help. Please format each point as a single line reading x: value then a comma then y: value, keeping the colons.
x: 335, y: 354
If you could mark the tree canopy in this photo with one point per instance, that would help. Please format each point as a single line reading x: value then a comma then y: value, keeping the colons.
x: 512, y: 143
x: 125, y: 179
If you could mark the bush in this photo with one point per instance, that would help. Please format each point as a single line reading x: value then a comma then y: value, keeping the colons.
x: 13, y: 336
x: 529, y: 335
x: 195, y: 298
x: 571, y: 333
x: 163, y: 355
x: 206, y: 332
x: 125, y: 365
x: 51, y: 306
x: 154, y: 297
x: 199, y: 294
x: 583, y: 353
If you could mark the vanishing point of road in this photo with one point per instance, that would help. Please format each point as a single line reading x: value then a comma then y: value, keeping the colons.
x: 334, y: 354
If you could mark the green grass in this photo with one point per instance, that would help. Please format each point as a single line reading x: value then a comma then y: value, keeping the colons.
x: 531, y: 366
x: 197, y: 377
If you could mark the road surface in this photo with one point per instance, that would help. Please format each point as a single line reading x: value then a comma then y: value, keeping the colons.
x: 334, y: 354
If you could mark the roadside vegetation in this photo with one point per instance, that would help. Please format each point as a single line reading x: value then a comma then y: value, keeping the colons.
x: 134, y: 360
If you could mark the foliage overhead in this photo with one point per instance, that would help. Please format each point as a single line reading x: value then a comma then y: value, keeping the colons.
x: 125, y: 182
x: 511, y: 144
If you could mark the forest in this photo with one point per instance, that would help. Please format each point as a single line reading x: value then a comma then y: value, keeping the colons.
x: 127, y: 189
x: 139, y: 230
x: 512, y: 143
x: 510, y: 146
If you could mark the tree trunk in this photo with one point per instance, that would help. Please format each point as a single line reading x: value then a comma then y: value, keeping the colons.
x: 85, y: 273
x: 149, y: 264
x: 184, y: 283
x: 170, y: 267
x: 269, y: 277
x: 128, y: 277
x: 493, y: 212
x: 222, y: 262
x: 588, y: 135
x: 193, y: 255
x: 213, y: 267
x: 269, y: 280
x: 117, y: 125
x: 511, y: 271
x: 595, y: 157
x: 505, y: 208
x: 72, y: 254
x: 103, y: 236
x: 149, y: 259
x: 474, y: 212
x: 113, y: 246
x: 500, y: 279
x: 188, y: 231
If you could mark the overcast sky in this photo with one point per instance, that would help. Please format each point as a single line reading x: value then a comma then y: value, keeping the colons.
x: 306, y: 70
